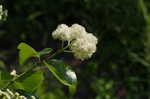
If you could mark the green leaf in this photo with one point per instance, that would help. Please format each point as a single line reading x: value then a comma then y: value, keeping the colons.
x: 18, y: 85
x: 44, y: 51
x: 2, y: 64
x: 32, y: 16
x: 72, y: 89
x: 5, y: 77
x: 31, y: 82
x: 26, y: 52
x: 62, y: 72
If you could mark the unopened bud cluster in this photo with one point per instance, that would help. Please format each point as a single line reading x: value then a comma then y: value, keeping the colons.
x: 82, y: 43
x: 8, y: 94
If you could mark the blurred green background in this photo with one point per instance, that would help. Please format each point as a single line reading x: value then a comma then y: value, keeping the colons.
x: 120, y: 69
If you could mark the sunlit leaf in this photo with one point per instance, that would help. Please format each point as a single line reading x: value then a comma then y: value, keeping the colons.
x: 5, y: 77
x: 31, y: 82
x: 26, y: 51
x: 62, y: 72
x: 44, y: 51
x: 72, y: 89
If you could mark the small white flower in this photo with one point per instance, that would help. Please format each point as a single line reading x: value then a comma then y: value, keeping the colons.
x: 1, y: 7
x: 13, y: 73
x: 17, y: 94
x: 71, y: 74
x: 33, y: 97
x: 5, y: 94
x: 22, y: 97
x: 10, y: 92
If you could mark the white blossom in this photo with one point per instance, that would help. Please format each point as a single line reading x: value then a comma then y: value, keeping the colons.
x: 83, y: 44
x: 1, y: 11
x: 91, y: 38
x: 62, y: 33
x: 82, y: 48
x: 23, y: 97
x: 33, y: 97
x: 65, y: 33
x: 2, y: 93
x: 13, y: 73
x: 8, y: 94
x: 77, y: 31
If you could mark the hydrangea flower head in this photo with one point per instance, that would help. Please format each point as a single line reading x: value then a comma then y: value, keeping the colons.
x: 83, y: 44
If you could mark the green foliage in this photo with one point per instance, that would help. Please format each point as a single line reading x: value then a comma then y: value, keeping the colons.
x: 26, y: 52
x: 5, y: 77
x: 56, y: 94
x: 59, y: 70
x: 31, y: 82
x: 45, y: 51
x: 105, y: 89
x: 2, y: 65
x: 72, y: 89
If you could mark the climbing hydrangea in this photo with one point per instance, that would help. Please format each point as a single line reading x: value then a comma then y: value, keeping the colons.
x: 82, y: 43
x: 8, y: 94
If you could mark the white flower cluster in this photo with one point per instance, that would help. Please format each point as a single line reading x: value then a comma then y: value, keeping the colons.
x: 11, y: 95
x: 3, y: 13
x: 65, y: 33
x: 83, y: 44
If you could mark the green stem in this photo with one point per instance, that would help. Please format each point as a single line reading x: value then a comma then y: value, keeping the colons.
x: 144, y: 10
x: 58, y: 52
